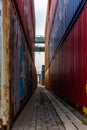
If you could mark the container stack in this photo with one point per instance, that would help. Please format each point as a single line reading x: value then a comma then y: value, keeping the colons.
x: 18, y: 78
x: 49, y: 21
x: 66, y: 71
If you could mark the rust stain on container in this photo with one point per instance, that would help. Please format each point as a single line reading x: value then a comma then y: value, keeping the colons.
x: 6, y: 68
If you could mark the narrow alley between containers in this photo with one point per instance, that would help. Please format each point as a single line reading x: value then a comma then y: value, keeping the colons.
x: 43, y: 64
x: 45, y: 112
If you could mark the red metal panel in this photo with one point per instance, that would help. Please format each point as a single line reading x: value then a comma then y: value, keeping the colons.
x: 79, y: 98
x: 83, y: 46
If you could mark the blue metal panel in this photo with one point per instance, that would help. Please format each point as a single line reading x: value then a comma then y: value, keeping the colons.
x: 66, y: 14
x: 22, y: 73
x: 43, y: 67
x: 43, y: 74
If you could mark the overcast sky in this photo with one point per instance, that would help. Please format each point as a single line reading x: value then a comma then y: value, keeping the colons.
x: 40, y: 13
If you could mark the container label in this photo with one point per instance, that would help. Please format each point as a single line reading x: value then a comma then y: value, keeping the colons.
x: 0, y: 49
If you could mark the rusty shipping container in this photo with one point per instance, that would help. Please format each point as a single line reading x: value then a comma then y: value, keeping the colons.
x: 18, y: 77
x: 27, y: 16
x: 67, y: 67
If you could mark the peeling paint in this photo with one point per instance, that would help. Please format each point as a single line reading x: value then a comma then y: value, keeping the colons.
x: 10, y: 53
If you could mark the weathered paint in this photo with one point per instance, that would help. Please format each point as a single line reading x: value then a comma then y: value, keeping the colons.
x: 65, y: 12
x: 15, y: 61
x: 22, y: 73
x: 47, y: 79
x: 27, y: 16
x: 22, y: 79
x: 0, y: 49
x: 6, y: 68
x: 17, y: 65
x: 52, y: 4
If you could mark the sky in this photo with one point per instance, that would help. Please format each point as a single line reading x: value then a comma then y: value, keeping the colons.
x: 39, y: 61
x: 40, y: 14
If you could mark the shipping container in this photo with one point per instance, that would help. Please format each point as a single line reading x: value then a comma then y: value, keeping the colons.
x: 42, y: 82
x: 49, y: 21
x: 18, y: 78
x: 68, y: 71
x: 66, y: 11
x: 43, y: 67
x: 47, y: 57
x: 47, y: 79
x: 27, y: 16
x: 42, y: 77
x: 43, y: 74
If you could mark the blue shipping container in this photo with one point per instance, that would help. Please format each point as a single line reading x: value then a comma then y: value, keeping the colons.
x: 43, y: 67
x: 43, y: 74
x: 65, y: 12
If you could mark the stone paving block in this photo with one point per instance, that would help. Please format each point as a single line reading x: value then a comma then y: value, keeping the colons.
x: 60, y: 127
x: 38, y: 128
x: 33, y: 124
x: 14, y: 128
x: 26, y: 128
x: 20, y: 128
x: 31, y: 128
x: 52, y: 128
x: 49, y: 125
x: 44, y: 128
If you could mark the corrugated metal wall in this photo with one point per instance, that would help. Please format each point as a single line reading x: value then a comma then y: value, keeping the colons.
x: 64, y: 14
x: 49, y: 21
x: 18, y: 77
x: 27, y: 15
x: 67, y: 65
